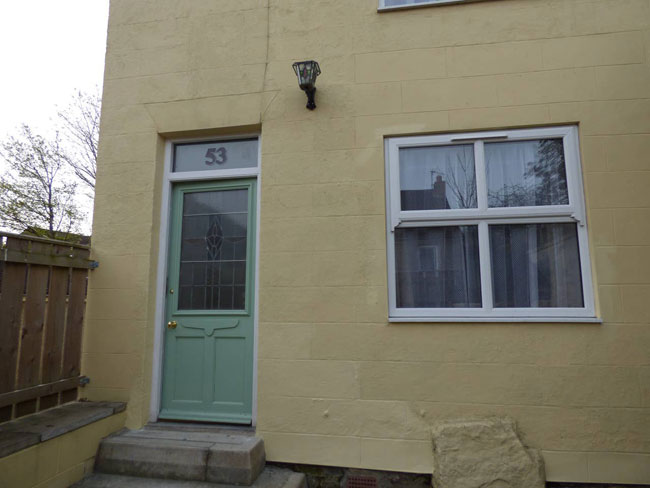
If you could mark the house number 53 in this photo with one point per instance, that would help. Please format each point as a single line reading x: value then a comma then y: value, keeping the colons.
x: 216, y: 155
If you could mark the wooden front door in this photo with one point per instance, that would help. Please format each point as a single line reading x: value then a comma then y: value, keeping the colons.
x: 208, y: 357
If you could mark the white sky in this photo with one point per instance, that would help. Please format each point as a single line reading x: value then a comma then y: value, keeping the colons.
x: 48, y: 49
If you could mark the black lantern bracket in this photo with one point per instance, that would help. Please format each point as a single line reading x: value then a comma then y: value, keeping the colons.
x: 307, y: 72
x: 311, y: 95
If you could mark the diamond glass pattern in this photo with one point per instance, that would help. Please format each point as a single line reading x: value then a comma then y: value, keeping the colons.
x: 214, y: 241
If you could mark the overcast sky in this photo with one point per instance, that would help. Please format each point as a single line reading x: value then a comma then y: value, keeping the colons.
x: 48, y: 48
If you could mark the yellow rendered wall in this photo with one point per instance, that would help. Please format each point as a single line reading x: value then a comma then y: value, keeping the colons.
x: 59, y: 462
x: 338, y: 384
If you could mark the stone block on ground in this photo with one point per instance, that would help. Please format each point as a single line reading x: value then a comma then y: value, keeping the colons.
x: 484, y: 453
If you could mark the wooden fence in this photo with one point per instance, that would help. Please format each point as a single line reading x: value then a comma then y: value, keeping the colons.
x: 43, y: 286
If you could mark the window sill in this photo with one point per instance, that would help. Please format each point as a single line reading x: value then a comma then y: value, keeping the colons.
x: 433, y: 3
x: 498, y: 320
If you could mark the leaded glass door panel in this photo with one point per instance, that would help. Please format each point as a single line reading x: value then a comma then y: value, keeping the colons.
x: 208, y: 361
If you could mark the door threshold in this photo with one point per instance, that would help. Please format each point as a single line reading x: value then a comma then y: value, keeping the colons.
x: 194, y: 426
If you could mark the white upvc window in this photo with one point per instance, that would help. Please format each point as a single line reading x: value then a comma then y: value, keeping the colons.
x: 397, y: 4
x: 487, y: 226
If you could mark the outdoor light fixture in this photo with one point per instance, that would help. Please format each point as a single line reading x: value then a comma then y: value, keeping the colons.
x: 307, y: 71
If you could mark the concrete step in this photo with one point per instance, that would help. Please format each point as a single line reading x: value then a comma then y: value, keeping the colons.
x: 271, y: 477
x: 201, y: 427
x: 174, y: 454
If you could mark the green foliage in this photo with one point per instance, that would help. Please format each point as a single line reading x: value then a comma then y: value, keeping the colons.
x: 35, y: 194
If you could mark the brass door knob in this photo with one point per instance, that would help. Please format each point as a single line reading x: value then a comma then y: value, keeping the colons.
x: 172, y: 324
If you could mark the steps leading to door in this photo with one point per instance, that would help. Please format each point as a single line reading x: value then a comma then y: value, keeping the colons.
x: 182, y: 452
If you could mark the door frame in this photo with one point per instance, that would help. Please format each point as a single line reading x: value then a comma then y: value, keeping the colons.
x: 169, y: 179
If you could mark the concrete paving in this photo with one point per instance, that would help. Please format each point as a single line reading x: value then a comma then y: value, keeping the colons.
x: 271, y: 477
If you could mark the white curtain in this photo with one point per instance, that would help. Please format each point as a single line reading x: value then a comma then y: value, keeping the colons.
x: 535, y: 265
x: 437, y: 267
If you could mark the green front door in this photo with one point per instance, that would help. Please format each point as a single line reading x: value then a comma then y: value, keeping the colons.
x: 208, y: 358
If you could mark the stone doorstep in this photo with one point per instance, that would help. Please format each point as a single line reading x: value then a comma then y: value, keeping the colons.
x: 192, y: 455
x: 194, y: 435
x: 167, y: 425
x: 25, y: 432
x: 228, y: 463
x: 162, y: 459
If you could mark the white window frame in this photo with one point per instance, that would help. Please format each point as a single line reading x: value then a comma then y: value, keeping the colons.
x: 574, y: 212
x: 428, y: 3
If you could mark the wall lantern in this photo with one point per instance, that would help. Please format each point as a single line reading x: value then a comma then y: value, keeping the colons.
x: 307, y: 71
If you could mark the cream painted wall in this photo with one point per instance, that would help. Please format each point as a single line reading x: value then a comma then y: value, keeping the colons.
x: 338, y: 385
x: 59, y: 462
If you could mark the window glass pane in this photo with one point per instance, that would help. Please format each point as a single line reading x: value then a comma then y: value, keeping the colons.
x: 437, y: 177
x: 213, y: 250
x: 215, y: 155
x: 437, y: 267
x: 526, y: 173
x: 536, y: 265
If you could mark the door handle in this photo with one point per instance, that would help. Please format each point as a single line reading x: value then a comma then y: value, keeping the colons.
x: 172, y: 324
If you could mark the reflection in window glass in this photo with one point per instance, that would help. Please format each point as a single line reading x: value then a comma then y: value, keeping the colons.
x: 213, y: 250
x: 536, y: 265
x: 437, y: 177
x: 437, y: 267
x: 526, y: 173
